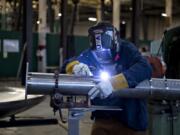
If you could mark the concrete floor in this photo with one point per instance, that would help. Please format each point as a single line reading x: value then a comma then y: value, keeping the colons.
x: 43, y: 111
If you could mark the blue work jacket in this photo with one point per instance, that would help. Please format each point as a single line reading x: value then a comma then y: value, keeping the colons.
x: 136, y: 69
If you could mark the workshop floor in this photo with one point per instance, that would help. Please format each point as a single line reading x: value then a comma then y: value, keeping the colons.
x: 43, y: 111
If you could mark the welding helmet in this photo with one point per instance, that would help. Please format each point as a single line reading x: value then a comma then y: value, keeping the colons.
x: 103, y: 39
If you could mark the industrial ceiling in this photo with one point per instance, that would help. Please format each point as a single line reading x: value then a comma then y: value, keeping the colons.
x: 88, y: 8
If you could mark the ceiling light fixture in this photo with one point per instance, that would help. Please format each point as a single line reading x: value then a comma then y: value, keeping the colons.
x: 93, y: 19
x: 164, y: 14
x: 38, y: 22
x: 59, y: 14
x: 130, y: 8
x: 123, y: 22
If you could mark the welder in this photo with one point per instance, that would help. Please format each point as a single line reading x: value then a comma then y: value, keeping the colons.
x: 126, y: 68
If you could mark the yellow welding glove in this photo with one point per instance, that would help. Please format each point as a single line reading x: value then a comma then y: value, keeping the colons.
x: 70, y: 65
x: 119, y: 82
x: 106, y: 87
x: 78, y: 69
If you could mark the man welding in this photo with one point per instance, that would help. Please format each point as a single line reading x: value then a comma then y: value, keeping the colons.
x: 108, y: 54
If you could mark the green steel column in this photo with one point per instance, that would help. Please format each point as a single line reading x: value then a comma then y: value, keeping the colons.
x: 57, y: 16
x: 29, y: 15
x: 136, y: 18
x: 64, y: 26
x: 50, y: 16
x: 3, y: 15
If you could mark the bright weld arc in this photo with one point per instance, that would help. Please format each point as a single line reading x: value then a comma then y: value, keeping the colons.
x: 104, y: 75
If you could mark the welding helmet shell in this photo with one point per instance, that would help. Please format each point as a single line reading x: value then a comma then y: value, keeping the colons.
x: 103, y: 35
x: 103, y: 42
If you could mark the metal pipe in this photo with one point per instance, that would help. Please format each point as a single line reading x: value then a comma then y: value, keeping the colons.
x: 151, y: 93
x: 44, y: 83
x: 67, y: 85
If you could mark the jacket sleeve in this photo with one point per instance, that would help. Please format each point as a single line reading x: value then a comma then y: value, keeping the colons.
x: 138, y: 68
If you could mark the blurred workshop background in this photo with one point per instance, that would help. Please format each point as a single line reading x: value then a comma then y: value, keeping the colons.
x: 52, y: 36
x: 46, y: 32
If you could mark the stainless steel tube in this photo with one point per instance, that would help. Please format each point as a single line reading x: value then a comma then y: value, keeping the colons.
x: 148, y: 93
x: 44, y: 83
x: 154, y: 89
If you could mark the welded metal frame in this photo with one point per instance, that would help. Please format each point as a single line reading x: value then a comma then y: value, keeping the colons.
x: 75, y: 114
x: 69, y: 85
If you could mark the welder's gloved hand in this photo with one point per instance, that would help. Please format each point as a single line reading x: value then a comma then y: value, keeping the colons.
x: 77, y: 68
x: 106, y: 87
x: 81, y: 69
